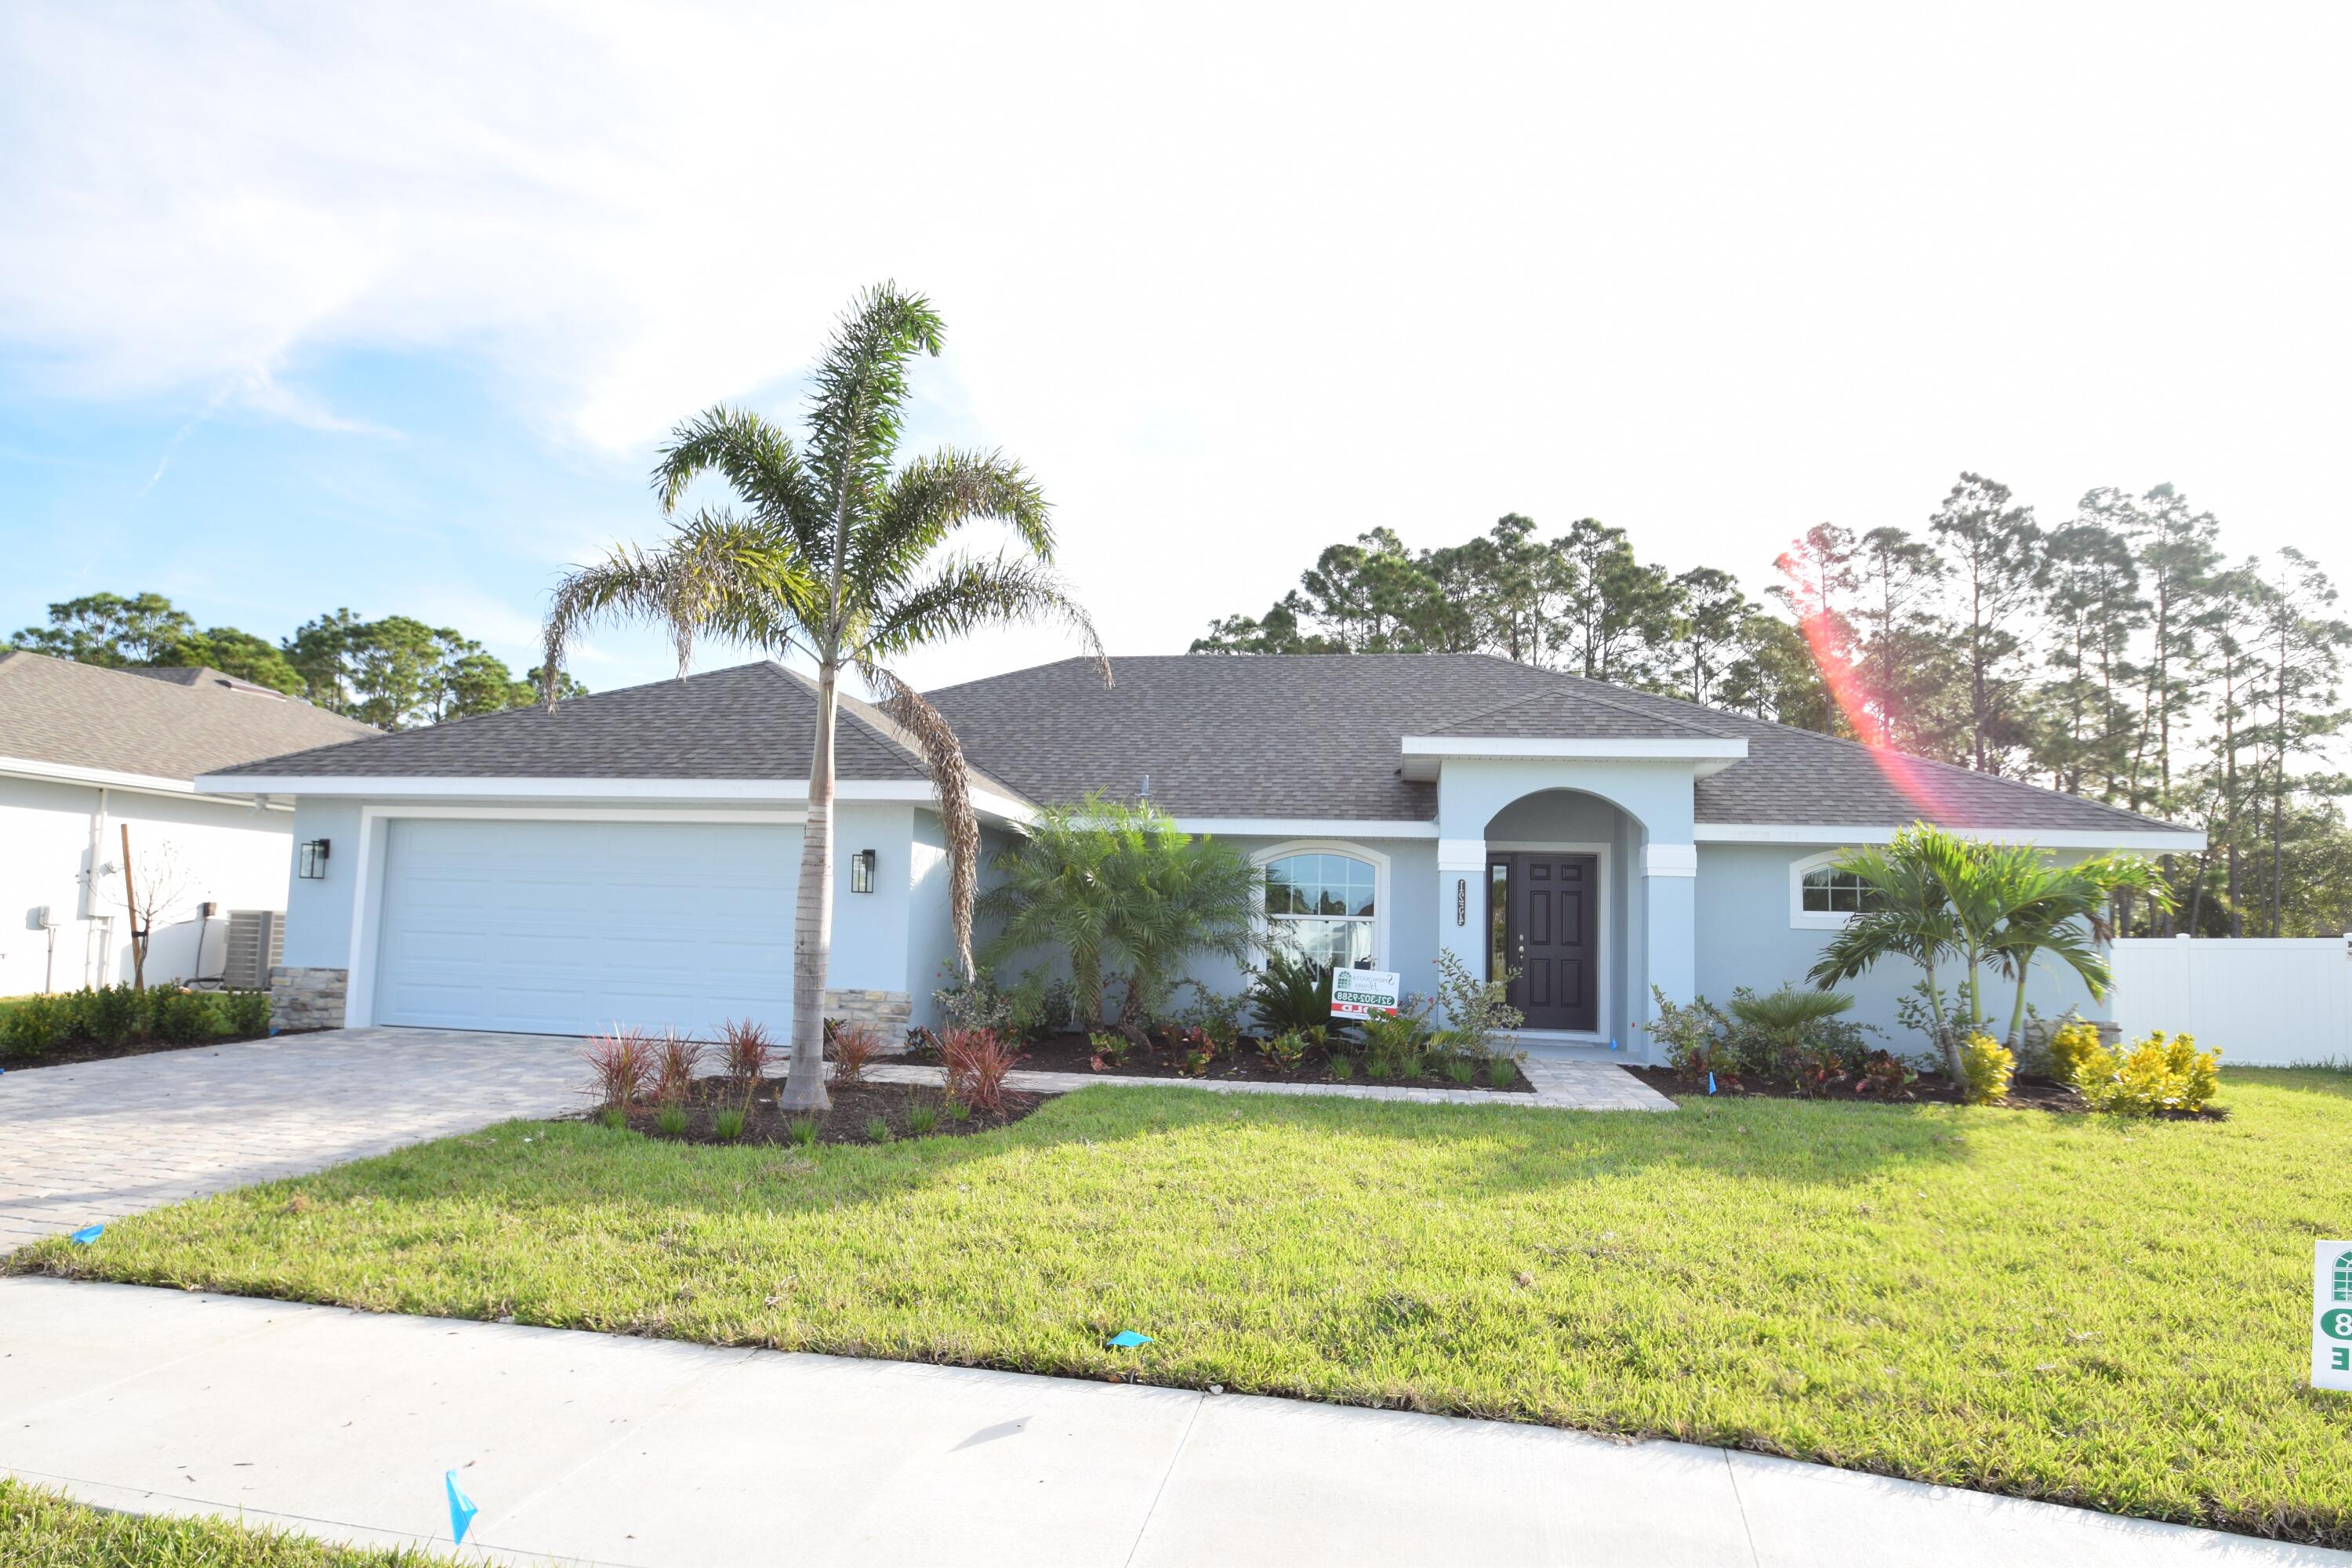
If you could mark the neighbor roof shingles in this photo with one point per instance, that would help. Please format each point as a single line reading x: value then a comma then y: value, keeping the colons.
x: 175, y: 725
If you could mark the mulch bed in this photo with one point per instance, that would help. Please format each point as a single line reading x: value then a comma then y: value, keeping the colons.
x: 855, y: 1106
x: 1072, y: 1052
x: 67, y: 1055
x: 1931, y: 1089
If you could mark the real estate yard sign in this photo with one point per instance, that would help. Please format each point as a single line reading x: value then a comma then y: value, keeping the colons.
x: 2331, y: 1315
x: 1361, y: 992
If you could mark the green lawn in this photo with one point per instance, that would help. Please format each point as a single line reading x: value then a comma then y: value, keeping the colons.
x: 41, y: 1529
x: 2058, y: 1307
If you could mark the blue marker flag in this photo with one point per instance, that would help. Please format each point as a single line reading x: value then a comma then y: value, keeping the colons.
x: 1710, y: 1080
x: 461, y: 1509
x: 86, y: 1234
x: 1612, y: 1042
x: 1125, y: 1340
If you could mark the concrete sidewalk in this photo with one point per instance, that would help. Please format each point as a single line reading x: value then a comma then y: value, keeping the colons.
x: 588, y: 1447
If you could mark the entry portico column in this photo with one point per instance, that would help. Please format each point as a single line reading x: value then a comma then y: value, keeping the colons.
x: 1669, y: 927
x: 1462, y: 901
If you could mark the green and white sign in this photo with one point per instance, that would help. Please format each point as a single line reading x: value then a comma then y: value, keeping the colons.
x: 1361, y: 992
x: 2331, y: 1315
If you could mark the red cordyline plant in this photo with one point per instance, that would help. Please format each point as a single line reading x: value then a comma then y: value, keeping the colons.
x: 747, y: 1049
x: 674, y: 1063
x: 622, y: 1061
x: 976, y: 1062
x: 854, y: 1046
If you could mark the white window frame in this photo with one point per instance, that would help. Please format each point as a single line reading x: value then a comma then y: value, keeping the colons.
x: 1801, y: 918
x: 1262, y: 858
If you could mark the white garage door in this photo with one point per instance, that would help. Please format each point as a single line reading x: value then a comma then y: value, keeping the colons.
x: 568, y: 926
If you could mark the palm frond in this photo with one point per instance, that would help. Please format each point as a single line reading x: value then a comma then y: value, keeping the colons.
x: 965, y: 594
x: 756, y: 459
x: 933, y: 496
x: 719, y: 575
x: 950, y: 783
x: 859, y: 405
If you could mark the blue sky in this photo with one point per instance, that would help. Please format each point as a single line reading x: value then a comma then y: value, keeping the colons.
x: 390, y: 309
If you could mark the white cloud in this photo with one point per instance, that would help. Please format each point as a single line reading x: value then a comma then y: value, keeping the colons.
x: 1239, y: 281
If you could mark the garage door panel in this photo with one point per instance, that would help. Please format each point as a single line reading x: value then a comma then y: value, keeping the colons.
x: 564, y: 927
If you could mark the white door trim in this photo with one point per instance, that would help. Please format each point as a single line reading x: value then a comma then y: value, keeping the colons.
x: 367, y: 881
x: 1602, y: 1013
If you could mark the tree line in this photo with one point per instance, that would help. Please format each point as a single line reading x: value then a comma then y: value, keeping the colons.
x: 2121, y: 654
x: 394, y: 673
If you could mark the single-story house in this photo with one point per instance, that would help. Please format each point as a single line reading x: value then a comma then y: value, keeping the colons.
x: 85, y: 751
x: 632, y: 857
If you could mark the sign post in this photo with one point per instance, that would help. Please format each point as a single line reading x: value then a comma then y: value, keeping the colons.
x: 2331, y: 1315
x: 1361, y: 992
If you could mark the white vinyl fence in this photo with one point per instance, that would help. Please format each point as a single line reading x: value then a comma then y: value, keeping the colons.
x: 2266, y: 1002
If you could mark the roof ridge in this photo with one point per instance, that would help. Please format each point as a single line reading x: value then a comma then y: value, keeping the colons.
x: 1578, y: 682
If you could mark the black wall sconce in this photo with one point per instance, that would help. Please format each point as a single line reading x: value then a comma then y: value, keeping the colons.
x: 861, y: 871
x: 313, y: 866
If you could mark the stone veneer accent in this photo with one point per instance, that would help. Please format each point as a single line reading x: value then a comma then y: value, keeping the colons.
x: 887, y: 1012
x: 307, y: 998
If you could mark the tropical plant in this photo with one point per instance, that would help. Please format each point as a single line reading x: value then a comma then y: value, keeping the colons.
x: 1933, y: 896
x: 1986, y: 1067
x: 1285, y: 1052
x: 728, y: 1125
x: 622, y: 1063
x: 974, y: 1062
x: 1478, y: 1016
x: 835, y: 557
x: 747, y: 1048
x: 853, y: 1048
x: 1290, y: 992
x: 2155, y: 1074
x: 674, y: 1058
x: 1695, y: 1035
x: 1107, y: 879
x: 1786, y: 1017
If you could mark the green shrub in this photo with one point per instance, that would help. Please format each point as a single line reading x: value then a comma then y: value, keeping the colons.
x: 1461, y: 1071
x: 1290, y: 992
x: 1697, y: 1038
x: 33, y: 1028
x: 182, y: 1017
x: 1503, y: 1071
x: 2076, y: 1053
x: 246, y: 1013
x: 1216, y: 1016
x: 671, y: 1120
x: 1342, y: 1066
x: 803, y: 1129
x: 1394, y: 1043
x: 2157, y: 1074
x: 1478, y: 1016
x: 728, y: 1124
x: 1986, y: 1067
x: 922, y: 1120
x: 112, y: 1014
x: 877, y: 1129
x: 1285, y: 1052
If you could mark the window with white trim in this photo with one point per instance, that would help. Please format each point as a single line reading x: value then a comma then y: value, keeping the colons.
x: 1322, y: 905
x: 1822, y: 896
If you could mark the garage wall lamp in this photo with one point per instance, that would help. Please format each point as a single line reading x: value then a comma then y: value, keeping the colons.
x: 861, y: 871
x: 312, y: 865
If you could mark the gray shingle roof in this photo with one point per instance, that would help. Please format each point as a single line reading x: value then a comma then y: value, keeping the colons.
x: 751, y: 721
x: 1256, y: 736
x: 1318, y: 736
x: 172, y: 723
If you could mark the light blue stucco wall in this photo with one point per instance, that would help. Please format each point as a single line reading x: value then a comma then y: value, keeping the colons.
x: 318, y: 912
x: 1745, y: 939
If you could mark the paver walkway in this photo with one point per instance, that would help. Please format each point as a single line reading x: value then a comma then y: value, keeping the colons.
x: 594, y: 1449
x: 1558, y: 1086
x: 96, y: 1140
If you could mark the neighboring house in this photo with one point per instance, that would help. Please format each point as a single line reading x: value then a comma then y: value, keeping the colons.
x: 632, y: 857
x: 87, y: 751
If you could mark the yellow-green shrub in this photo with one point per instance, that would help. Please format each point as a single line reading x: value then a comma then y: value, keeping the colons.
x: 1987, y: 1067
x: 2073, y: 1047
x: 2157, y: 1074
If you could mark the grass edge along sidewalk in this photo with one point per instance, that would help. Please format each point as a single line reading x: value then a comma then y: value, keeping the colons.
x: 2072, y: 1308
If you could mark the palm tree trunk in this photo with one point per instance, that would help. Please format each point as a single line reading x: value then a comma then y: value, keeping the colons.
x: 812, y: 916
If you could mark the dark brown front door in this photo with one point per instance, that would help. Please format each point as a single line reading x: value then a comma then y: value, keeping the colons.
x: 1550, y: 906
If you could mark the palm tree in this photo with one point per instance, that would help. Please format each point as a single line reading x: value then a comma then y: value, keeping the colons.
x: 2060, y: 911
x: 1905, y: 913
x: 832, y: 555
x: 1053, y: 888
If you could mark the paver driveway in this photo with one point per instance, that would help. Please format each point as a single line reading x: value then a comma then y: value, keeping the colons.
x: 91, y: 1142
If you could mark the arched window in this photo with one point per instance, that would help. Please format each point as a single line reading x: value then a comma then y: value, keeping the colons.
x: 1820, y: 896
x: 1324, y: 905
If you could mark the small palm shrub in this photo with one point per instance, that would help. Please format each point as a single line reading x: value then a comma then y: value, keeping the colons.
x: 975, y: 1062
x: 622, y: 1063
x: 1290, y: 992
x: 728, y: 1125
x: 854, y: 1049
x: 1986, y: 1067
x: 746, y: 1049
x: 1395, y: 1043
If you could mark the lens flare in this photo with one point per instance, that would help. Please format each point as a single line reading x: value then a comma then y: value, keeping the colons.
x: 1820, y: 625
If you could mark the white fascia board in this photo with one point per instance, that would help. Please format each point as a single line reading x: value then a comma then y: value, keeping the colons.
x: 2150, y: 841
x: 1303, y: 828
x: 109, y: 778
x: 787, y: 792
x: 1696, y: 748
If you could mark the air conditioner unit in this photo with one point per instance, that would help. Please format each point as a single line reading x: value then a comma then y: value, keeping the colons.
x: 256, y: 944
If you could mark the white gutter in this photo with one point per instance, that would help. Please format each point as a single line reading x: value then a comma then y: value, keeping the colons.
x: 2149, y: 841
x: 106, y: 778
x: 794, y: 792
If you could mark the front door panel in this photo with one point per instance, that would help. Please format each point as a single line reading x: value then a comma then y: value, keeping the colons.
x: 1553, y: 938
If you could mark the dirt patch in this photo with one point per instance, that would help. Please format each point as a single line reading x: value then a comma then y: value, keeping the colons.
x: 903, y: 1110
x: 1931, y: 1089
x: 1170, y: 1055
